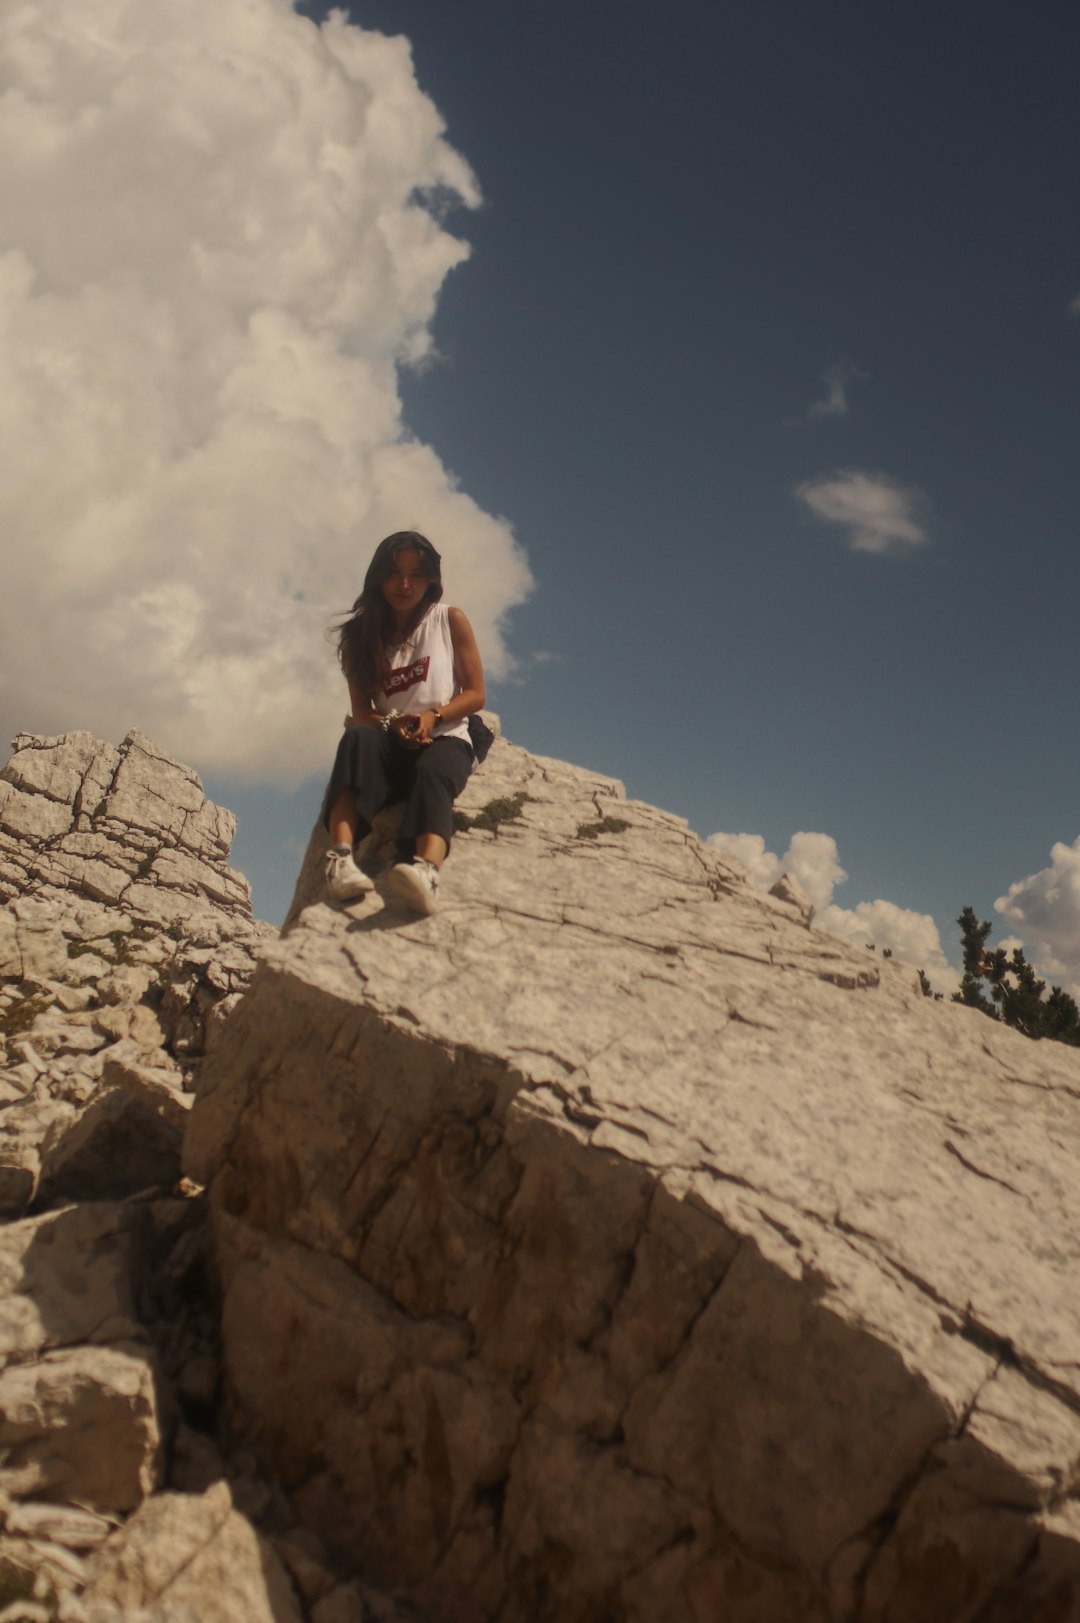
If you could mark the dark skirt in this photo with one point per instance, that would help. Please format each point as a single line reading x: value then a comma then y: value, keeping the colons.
x: 379, y: 768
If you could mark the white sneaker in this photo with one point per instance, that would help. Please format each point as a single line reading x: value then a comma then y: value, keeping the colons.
x: 344, y: 880
x: 417, y: 884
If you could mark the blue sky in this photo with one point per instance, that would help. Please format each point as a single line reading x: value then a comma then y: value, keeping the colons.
x: 766, y: 352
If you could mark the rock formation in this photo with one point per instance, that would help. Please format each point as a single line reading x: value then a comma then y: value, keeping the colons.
x: 615, y: 1245
x: 612, y: 1245
x: 124, y: 942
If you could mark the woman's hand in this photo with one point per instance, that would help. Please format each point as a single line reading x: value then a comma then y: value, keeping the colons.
x: 415, y: 729
x: 425, y: 727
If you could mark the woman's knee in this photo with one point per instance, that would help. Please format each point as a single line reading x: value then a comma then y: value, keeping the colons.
x: 367, y: 742
x: 448, y: 768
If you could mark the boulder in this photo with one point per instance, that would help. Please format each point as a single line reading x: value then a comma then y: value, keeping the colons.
x: 641, y: 1251
x: 80, y: 1424
x: 123, y: 935
x: 79, y: 1395
x: 188, y: 1558
x: 127, y: 1139
x: 124, y: 939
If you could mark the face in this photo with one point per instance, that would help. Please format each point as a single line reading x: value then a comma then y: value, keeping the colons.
x: 406, y: 584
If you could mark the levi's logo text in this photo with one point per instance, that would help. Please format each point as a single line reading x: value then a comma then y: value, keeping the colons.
x: 406, y: 676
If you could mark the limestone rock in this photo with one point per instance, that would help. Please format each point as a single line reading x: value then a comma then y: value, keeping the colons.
x: 79, y: 1402
x: 124, y: 939
x: 640, y: 1250
x: 125, y: 1140
x: 66, y: 1278
x: 123, y: 935
x: 68, y: 1525
x: 81, y: 1424
x: 186, y: 1558
x: 787, y: 889
x: 99, y: 820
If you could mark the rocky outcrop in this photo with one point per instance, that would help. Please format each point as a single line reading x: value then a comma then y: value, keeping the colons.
x: 124, y: 941
x: 614, y: 1245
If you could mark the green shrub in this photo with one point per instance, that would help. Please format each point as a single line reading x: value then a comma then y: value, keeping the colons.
x: 606, y: 825
x: 504, y: 810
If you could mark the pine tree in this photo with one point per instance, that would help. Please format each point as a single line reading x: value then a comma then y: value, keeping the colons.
x: 973, y: 940
x: 1016, y: 992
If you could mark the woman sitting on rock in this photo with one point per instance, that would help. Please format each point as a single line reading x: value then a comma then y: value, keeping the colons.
x: 414, y: 675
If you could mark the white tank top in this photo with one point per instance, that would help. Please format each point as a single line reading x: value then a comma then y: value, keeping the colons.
x: 421, y: 674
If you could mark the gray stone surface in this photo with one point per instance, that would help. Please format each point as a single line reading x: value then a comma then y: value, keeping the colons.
x: 80, y: 1424
x: 79, y: 1391
x: 187, y: 1558
x: 122, y: 936
x: 641, y: 1251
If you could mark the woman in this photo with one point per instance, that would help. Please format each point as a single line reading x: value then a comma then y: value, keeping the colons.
x: 415, y: 676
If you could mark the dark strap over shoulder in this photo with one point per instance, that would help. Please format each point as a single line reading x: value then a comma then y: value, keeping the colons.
x: 481, y: 737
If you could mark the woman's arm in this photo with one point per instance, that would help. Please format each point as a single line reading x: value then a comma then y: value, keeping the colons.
x: 468, y: 670
x: 364, y: 713
x: 468, y: 674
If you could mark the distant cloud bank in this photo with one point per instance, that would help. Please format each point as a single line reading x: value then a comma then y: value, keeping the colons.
x: 813, y: 860
x: 1044, y: 910
x: 215, y: 253
x: 878, y: 514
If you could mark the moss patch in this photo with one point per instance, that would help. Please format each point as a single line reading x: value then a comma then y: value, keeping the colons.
x: 606, y: 825
x: 504, y: 810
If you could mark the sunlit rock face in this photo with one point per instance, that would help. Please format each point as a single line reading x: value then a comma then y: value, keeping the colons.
x: 614, y: 1244
x: 125, y: 939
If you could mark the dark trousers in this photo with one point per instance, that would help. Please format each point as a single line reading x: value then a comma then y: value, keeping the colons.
x: 379, y: 768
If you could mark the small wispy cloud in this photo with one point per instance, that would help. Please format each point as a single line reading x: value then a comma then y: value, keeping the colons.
x: 835, y: 382
x: 1074, y: 306
x: 879, y: 514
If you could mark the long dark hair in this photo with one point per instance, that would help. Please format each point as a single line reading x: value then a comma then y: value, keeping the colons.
x: 363, y: 638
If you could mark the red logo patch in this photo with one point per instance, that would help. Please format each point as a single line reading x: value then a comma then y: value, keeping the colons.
x: 406, y: 676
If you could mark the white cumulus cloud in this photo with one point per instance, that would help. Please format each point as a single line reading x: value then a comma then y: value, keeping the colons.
x: 221, y: 234
x: 878, y: 514
x: 912, y: 938
x: 813, y: 859
x: 1044, y: 910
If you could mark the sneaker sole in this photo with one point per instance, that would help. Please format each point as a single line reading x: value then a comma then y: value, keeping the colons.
x: 351, y: 893
x: 411, y: 891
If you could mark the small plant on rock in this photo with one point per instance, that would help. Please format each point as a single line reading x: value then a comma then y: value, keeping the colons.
x: 606, y: 825
x: 506, y: 809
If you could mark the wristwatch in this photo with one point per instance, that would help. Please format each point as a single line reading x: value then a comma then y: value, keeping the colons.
x: 438, y: 716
